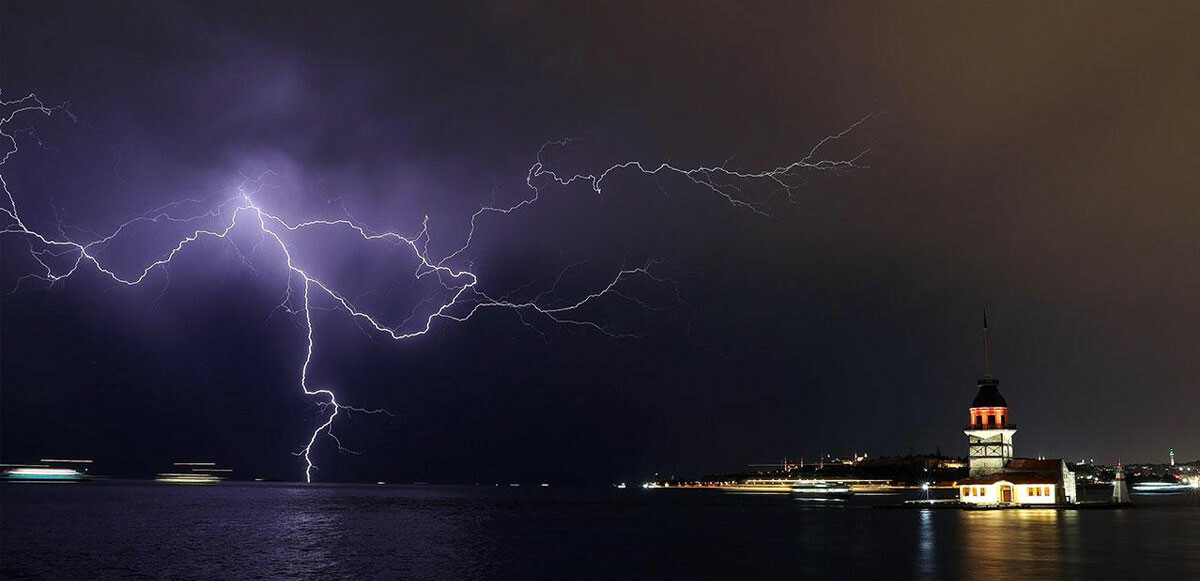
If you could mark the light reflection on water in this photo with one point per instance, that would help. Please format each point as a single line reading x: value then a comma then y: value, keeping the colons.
x: 310, y: 528
x: 428, y: 532
x: 998, y: 539
x: 927, y: 564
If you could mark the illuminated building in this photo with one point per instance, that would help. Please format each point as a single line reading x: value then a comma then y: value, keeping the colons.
x: 995, y: 477
x: 1023, y: 481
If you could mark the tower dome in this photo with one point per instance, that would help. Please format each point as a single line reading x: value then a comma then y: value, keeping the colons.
x: 989, y: 394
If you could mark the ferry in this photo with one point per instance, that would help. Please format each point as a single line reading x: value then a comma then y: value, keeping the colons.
x: 43, y: 474
x: 186, y: 478
x: 202, y: 473
x: 49, y: 470
x: 822, y: 489
x: 780, y: 485
x: 804, y: 488
x: 1162, y: 488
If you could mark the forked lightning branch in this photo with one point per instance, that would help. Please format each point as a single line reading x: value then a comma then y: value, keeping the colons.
x: 57, y: 256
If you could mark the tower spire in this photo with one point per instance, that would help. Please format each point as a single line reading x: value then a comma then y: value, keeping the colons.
x: 987, y: 355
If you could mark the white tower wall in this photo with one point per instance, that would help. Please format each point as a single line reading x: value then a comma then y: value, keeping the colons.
x: 988, y: 451
x: 1068, y: 486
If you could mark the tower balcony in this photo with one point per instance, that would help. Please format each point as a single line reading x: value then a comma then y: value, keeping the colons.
x: 1007, y: 426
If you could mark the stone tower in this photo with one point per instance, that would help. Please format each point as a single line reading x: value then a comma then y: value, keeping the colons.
x: 989, y: 433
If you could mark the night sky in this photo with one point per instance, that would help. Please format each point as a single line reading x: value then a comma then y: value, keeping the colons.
x: 1039, y: 161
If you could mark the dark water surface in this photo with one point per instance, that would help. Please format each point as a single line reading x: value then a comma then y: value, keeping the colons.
x: 149, y: 530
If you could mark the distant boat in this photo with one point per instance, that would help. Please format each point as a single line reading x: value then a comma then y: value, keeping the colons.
x: 1161, y: 488
x: 44, y: 474
x: 202, y: 473
x: 822, y: 489
x: 186, y: 478
x: 756, y: 485
x: 621, y: 485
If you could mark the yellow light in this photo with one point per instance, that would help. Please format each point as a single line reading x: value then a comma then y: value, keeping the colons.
x: 171, y: 478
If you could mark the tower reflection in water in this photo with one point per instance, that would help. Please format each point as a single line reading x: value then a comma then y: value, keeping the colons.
x: 998, y: 542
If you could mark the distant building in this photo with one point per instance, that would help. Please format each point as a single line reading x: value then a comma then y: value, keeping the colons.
x: 994, y: 475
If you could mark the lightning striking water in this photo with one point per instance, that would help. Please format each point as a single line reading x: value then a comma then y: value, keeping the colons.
x: 59, y: 255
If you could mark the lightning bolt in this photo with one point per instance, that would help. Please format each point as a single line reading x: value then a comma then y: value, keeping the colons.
x: 59, y: 256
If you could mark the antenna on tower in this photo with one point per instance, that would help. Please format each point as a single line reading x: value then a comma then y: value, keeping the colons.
x: 987, y: 355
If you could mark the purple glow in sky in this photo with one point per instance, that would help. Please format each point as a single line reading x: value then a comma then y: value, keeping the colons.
x: 445, y: 291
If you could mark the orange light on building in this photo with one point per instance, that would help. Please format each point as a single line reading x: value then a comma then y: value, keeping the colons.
x: 988, y: 417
